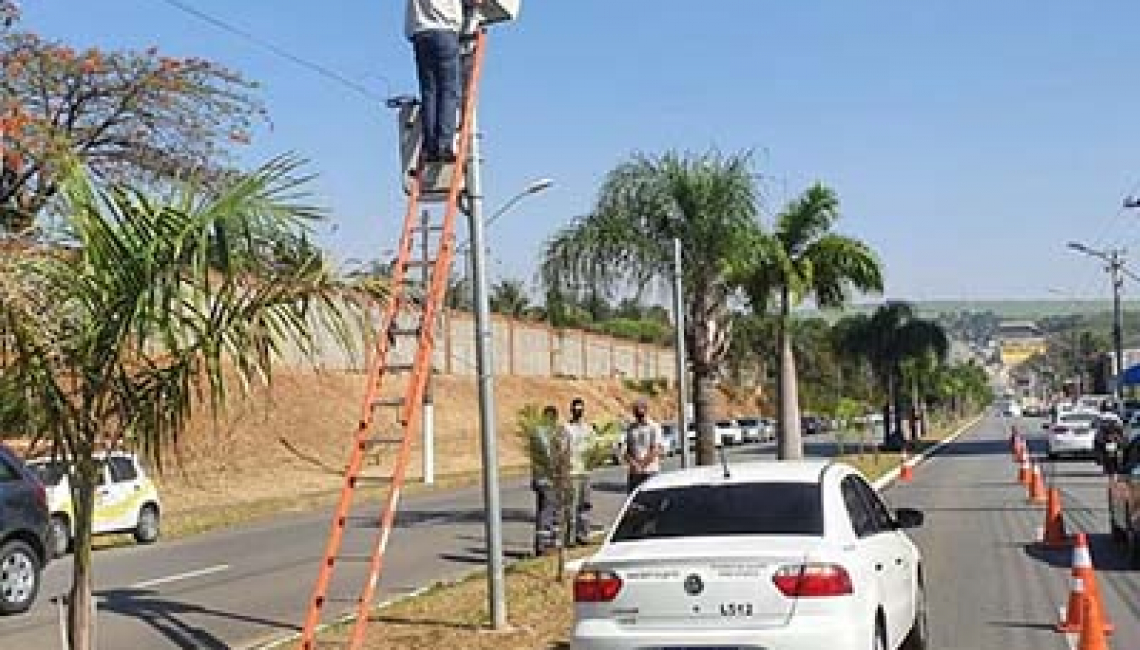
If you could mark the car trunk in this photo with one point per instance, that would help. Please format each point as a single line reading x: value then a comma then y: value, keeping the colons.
x: 678, y: 584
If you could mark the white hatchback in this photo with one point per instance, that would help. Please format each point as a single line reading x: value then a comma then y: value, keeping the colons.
x: 795, y: 555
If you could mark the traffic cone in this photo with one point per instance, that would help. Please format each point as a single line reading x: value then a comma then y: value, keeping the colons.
x: 1024, y: 473
x: 906, y: 474
x: 1084, y: 578
x: 1092, y: 632
x: 1054, y: 535
x: 1037, y: 486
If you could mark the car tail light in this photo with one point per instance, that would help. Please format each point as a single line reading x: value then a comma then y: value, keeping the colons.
x: 41, y: 494
x: 596, y: 586
x: 812, y: 580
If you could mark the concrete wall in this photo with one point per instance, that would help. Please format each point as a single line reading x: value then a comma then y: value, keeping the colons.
x: 521, y: 348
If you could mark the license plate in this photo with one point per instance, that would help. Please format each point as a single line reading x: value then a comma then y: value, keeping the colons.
x: 736, y: 610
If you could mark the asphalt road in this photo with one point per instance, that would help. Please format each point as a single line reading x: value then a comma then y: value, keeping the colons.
x: 250, y: 583
x: 990, y: 587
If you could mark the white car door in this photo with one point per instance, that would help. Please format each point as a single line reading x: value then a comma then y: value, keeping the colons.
x: 115, y: 499
x: 872, y: 551
x: 898, y: 598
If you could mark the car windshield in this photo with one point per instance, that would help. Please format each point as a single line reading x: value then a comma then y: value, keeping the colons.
x: 49, y: 472
x: 1079, y: 418
x: 722, y: 510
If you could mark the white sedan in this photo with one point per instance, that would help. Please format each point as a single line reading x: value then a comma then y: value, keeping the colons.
x: 1073, y: 433
x: 794, y: 555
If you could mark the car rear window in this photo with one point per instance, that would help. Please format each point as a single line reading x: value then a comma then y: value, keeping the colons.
x: 723, y: 510
x: 49, y: 473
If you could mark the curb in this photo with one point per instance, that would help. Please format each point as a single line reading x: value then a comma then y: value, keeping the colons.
x: 890, y: 477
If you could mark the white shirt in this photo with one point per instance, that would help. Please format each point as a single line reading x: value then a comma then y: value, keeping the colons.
x: 578, y: 434
x: 640, y: 439
x: 426, y: 15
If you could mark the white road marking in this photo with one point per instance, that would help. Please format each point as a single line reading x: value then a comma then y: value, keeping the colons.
x: 197, y: 573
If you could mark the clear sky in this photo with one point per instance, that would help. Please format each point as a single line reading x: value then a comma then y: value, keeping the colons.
x: 967, y: 139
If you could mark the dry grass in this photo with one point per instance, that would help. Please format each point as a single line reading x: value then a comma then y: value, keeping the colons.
x: 455, y: 616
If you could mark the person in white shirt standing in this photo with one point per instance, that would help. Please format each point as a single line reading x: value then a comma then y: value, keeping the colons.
x: 433, y: 27
x: 643, y: 446
x: 579, y: 434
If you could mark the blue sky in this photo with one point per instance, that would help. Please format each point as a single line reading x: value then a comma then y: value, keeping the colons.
x: 968, y: 139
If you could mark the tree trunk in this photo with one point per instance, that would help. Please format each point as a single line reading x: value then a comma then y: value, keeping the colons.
x: 703, y: 387
x: 81, y: 610
x: 791, y: 444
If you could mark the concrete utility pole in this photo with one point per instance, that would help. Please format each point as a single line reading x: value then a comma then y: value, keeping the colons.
x: 1115, y: 260
x: 679, y: 353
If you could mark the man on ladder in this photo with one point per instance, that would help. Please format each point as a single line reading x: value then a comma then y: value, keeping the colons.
x: 433, y: 27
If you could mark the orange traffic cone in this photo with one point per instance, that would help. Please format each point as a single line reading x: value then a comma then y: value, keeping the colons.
x: 1092, y: 632
x: 1054, y: 532
x: 1024, y: 473
x: 906, y: 473
x: 1084, y: 588
x: 1037, y: 486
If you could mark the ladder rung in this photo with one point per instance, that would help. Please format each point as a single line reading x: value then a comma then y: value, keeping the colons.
x: 419, y: 264
x: 383, y: 440
x: 388, y: 401
x: 354, y: 558
x: 399, y: 367
x: 430, y: 228
x: 374, y: 480
x: 404, y: 331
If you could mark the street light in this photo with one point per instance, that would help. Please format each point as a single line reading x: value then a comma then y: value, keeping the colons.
x: 1115, y: 260
x: 534, y: 187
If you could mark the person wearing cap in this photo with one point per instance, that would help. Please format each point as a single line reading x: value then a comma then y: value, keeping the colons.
x: 643, y: 446
x: 578, y: 433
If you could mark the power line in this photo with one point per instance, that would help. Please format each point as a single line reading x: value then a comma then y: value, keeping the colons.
x: 278, y: 51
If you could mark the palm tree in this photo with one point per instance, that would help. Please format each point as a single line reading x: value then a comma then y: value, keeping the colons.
x: 803, y: 259
x: 155, y: 305
x: 709, y: 203
x: 509, y: 297
x: 889, y: 337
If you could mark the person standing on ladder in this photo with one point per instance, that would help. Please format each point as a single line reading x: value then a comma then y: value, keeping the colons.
x: 433, y: 27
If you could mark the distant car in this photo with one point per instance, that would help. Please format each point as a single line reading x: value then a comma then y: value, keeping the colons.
x: 672, y: 440
x: 1124, y: 503
x: 794, y: 555
x: 23, y: 534
x: 728, y: 433
x: 768, y: 428
x: 1072, y: 434
x: 126, y: 500
x: 812, y: 425
x: 1109, y: 440
x: 1011, y: 409
x: 751, y: 429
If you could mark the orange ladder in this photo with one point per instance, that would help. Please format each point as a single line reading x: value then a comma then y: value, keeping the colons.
x: 409, y: 316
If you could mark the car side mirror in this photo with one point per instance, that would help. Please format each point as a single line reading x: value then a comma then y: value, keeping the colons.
x: 908, y: 518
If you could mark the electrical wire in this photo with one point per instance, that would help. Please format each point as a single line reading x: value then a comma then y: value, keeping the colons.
x: 317, y: 68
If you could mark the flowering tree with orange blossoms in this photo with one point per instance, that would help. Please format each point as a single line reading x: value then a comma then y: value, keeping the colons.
x: 130, y: 116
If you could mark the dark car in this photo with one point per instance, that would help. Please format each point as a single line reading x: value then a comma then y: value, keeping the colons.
x: 23, y: 533
x: 1124, y: 502
x: 812, y: 425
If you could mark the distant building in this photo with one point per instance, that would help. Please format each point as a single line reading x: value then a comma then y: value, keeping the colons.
x: 1018, y: 341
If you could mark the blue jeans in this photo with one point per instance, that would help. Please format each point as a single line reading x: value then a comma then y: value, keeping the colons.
x: 437, y: 64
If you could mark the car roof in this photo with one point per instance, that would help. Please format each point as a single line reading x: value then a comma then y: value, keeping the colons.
x: 779, y: 471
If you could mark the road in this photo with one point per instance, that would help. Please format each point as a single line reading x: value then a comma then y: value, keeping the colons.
x: 990, y: 586
x: 235, y: 587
